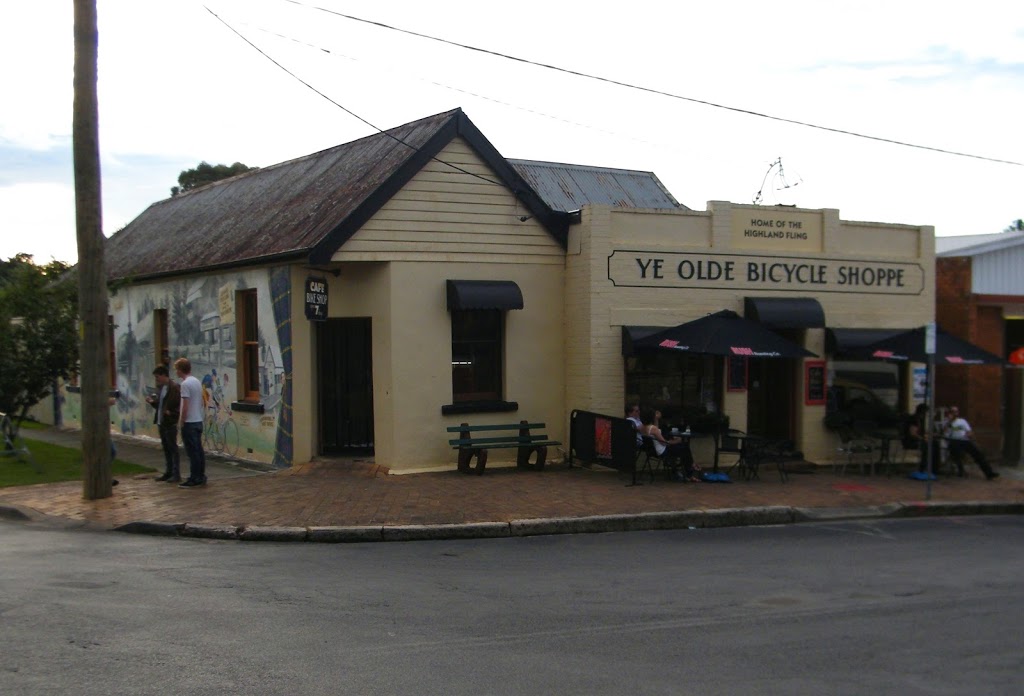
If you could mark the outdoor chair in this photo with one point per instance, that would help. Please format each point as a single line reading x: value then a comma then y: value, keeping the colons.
x: 652, y: 460
x: 855, y: 449
x: 729, y: 441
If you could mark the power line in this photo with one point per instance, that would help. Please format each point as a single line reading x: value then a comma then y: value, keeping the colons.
x: 475, y: 95
x: 343, y: 108
x: 651, y: 90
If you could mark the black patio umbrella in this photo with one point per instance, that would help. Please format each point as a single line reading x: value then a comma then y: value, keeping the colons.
x: 909, y: 346
x: 724, y: 333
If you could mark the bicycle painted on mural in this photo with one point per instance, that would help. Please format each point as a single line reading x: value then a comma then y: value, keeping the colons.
x: 220, y: 432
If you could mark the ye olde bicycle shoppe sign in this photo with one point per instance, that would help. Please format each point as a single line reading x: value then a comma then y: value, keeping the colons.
x: 638, y: 268
x: 776, y: 250
x: 316, y: 299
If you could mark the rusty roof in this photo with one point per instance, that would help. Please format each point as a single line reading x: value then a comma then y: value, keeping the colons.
x: 568, y: 187
x: 303, y: 209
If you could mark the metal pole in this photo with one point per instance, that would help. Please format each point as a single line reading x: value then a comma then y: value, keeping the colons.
x: 930, y: 417
x: 929, y: 349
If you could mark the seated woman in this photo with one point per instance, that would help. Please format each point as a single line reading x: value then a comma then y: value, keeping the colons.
x: 675, y: 451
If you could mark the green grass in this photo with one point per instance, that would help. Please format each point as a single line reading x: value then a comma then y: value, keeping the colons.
x: 57, y: 464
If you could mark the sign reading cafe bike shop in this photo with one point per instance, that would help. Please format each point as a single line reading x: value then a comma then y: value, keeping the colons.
x: 637, y: 268
x: 316, y: 299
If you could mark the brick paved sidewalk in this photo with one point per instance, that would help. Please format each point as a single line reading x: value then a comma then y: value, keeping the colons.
x: 346, y: 493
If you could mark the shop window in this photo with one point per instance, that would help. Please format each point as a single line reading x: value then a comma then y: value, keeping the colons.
x: 866, y: 391
x: 161, y: 346
x: 682, y: 387
x: 248, y: 345
x: 477, y: 355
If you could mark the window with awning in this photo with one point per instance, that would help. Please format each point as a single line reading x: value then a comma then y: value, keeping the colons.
x: 478, y: 310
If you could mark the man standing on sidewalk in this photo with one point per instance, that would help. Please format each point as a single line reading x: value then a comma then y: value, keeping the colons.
x: 167, y: 403
x: 191, y: 424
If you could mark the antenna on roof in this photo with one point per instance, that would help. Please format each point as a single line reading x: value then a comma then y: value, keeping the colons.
x: 780, y: 174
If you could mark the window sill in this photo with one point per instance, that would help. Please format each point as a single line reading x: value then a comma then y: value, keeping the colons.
x: 479, y: 407
x: 248, y: 407
x: 112, y: 393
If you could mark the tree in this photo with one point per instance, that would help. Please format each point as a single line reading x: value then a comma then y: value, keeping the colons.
x: 205, y: 173
x: 38, y: 314
x: 92, y: 288
x: 1015, y: 226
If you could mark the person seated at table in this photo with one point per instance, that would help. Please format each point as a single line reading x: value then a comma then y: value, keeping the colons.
x: 960, y: 437
x: 917, y: 436
x: 675, y: 451
x: 633, y: 416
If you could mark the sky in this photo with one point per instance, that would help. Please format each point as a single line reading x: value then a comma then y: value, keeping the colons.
x: 178, y: 84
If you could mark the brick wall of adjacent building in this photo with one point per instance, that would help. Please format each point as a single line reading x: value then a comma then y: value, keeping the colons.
x: 978, y: 390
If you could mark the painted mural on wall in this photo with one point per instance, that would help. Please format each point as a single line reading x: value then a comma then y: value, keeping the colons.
x: 200, y: 317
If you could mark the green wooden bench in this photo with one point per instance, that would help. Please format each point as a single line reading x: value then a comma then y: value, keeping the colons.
x: 507, y: 435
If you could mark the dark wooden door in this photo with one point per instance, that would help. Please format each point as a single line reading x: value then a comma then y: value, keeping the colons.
x: 346, y: 386
x: 770, y: 397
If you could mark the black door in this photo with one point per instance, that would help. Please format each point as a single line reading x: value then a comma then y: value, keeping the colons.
x: 346, y: 387
x: 770, y: 397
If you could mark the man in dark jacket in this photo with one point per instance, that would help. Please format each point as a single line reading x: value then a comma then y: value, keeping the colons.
x: 167, y: 402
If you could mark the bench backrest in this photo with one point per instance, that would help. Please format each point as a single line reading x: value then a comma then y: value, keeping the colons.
x: 465, y: 427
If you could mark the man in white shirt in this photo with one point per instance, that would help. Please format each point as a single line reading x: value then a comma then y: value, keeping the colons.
x: 191, y: 424
x: 960, y: 438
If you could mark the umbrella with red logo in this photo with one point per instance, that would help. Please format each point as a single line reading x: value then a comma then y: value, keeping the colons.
x: 910, y: 346
x: 724, y: 333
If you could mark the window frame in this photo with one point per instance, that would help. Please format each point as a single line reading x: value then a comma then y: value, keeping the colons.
x: 111, y: 352
x: 161, y: 338
x: 247, y: 344
x: 489, y: 386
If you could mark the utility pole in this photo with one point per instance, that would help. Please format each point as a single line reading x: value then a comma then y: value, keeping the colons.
x: 94, y: 365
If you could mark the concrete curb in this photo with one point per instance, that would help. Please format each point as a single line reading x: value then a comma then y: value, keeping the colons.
x: 344, y: 535
x: 273, y: 534
x: 596, y: 524
x: 154, y: 528
x: 210, y: 531
x: 12, y: 512
x: 427, y: 532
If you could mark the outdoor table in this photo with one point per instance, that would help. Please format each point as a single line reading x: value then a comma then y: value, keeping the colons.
x: 885, y: 439
x: 748, y: 462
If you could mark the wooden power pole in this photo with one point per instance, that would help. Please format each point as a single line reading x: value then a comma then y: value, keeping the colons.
x: 94, y: 366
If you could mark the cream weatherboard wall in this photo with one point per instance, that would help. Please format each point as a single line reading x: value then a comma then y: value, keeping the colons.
x: 611, y: 283
x: 447, y: 223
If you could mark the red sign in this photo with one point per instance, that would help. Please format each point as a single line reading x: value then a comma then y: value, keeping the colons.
x: 1017, y: 357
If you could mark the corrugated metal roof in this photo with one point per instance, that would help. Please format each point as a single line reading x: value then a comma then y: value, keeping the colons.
x: 306, y: 207
x: 568, y: 187
x: 974, y: 244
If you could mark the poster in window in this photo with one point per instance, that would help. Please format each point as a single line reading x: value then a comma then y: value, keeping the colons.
x: 815, y: 383
x: 737, y: 378
x: 603, y: 438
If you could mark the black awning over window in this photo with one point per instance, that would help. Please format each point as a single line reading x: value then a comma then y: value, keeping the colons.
x: 635, y: 333
x: 484, y: 294
x: 785, y: 312
x: 839, y: 341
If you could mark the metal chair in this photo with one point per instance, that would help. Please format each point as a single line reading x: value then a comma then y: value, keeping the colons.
x: 729, y: 441
x: 854, y: 446
x: 651, y: 459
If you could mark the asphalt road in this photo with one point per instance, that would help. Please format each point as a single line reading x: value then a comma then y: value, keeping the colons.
x: 889, y: 607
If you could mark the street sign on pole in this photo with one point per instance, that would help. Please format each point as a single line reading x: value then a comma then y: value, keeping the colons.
x: 929, y: 338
